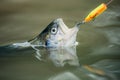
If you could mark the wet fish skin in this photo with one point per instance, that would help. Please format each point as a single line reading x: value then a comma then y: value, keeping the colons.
x: 56, y: 34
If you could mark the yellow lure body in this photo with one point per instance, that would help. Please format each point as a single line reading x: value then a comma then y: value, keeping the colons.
x: 96, y: 12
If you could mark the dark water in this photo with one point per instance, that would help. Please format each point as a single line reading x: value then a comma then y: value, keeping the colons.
x: 97, y: 57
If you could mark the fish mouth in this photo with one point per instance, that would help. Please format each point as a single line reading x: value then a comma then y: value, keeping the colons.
x: 68, y: 37
x: 62, y: 25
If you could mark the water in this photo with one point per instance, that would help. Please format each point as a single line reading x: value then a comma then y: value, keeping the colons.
x: 97, y: 57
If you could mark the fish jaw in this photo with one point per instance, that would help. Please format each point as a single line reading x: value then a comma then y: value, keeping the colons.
x: 70, y: 37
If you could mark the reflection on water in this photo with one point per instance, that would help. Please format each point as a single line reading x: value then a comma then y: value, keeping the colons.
x: 99, y: 70
x: 65, y: 59
x: 64, y: 76
x: 63, y: 56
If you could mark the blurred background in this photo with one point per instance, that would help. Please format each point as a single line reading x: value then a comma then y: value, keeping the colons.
x: 22, y: 20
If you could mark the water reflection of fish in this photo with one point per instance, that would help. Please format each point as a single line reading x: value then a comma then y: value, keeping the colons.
x: 85, y: 73
x: 62, y: 56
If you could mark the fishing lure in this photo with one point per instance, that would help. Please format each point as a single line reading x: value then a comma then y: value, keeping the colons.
x: 97, y: 11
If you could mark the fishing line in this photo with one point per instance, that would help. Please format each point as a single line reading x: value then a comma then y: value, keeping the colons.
x: 109, y: 2
x: 95, y: 12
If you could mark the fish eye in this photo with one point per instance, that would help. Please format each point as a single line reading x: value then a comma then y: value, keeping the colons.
x: 54, y: 30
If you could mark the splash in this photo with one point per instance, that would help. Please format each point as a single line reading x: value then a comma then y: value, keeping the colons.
x: 24, y: 44
x: 28, y: 44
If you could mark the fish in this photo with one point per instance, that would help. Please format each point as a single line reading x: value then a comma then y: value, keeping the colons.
x: 56, y: 34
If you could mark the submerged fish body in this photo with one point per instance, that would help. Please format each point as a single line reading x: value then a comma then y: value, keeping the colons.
x: 56, y: 34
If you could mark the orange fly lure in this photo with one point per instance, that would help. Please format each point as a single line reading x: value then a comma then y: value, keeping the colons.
x: 97, y: 11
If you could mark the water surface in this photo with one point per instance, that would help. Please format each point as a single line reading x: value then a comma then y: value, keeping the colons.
x: 97, y: 57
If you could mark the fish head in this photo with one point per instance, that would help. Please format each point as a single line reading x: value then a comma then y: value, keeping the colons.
x: 56, y: 34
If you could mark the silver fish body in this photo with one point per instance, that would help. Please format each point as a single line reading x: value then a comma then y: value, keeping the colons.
x: 56, y: 34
